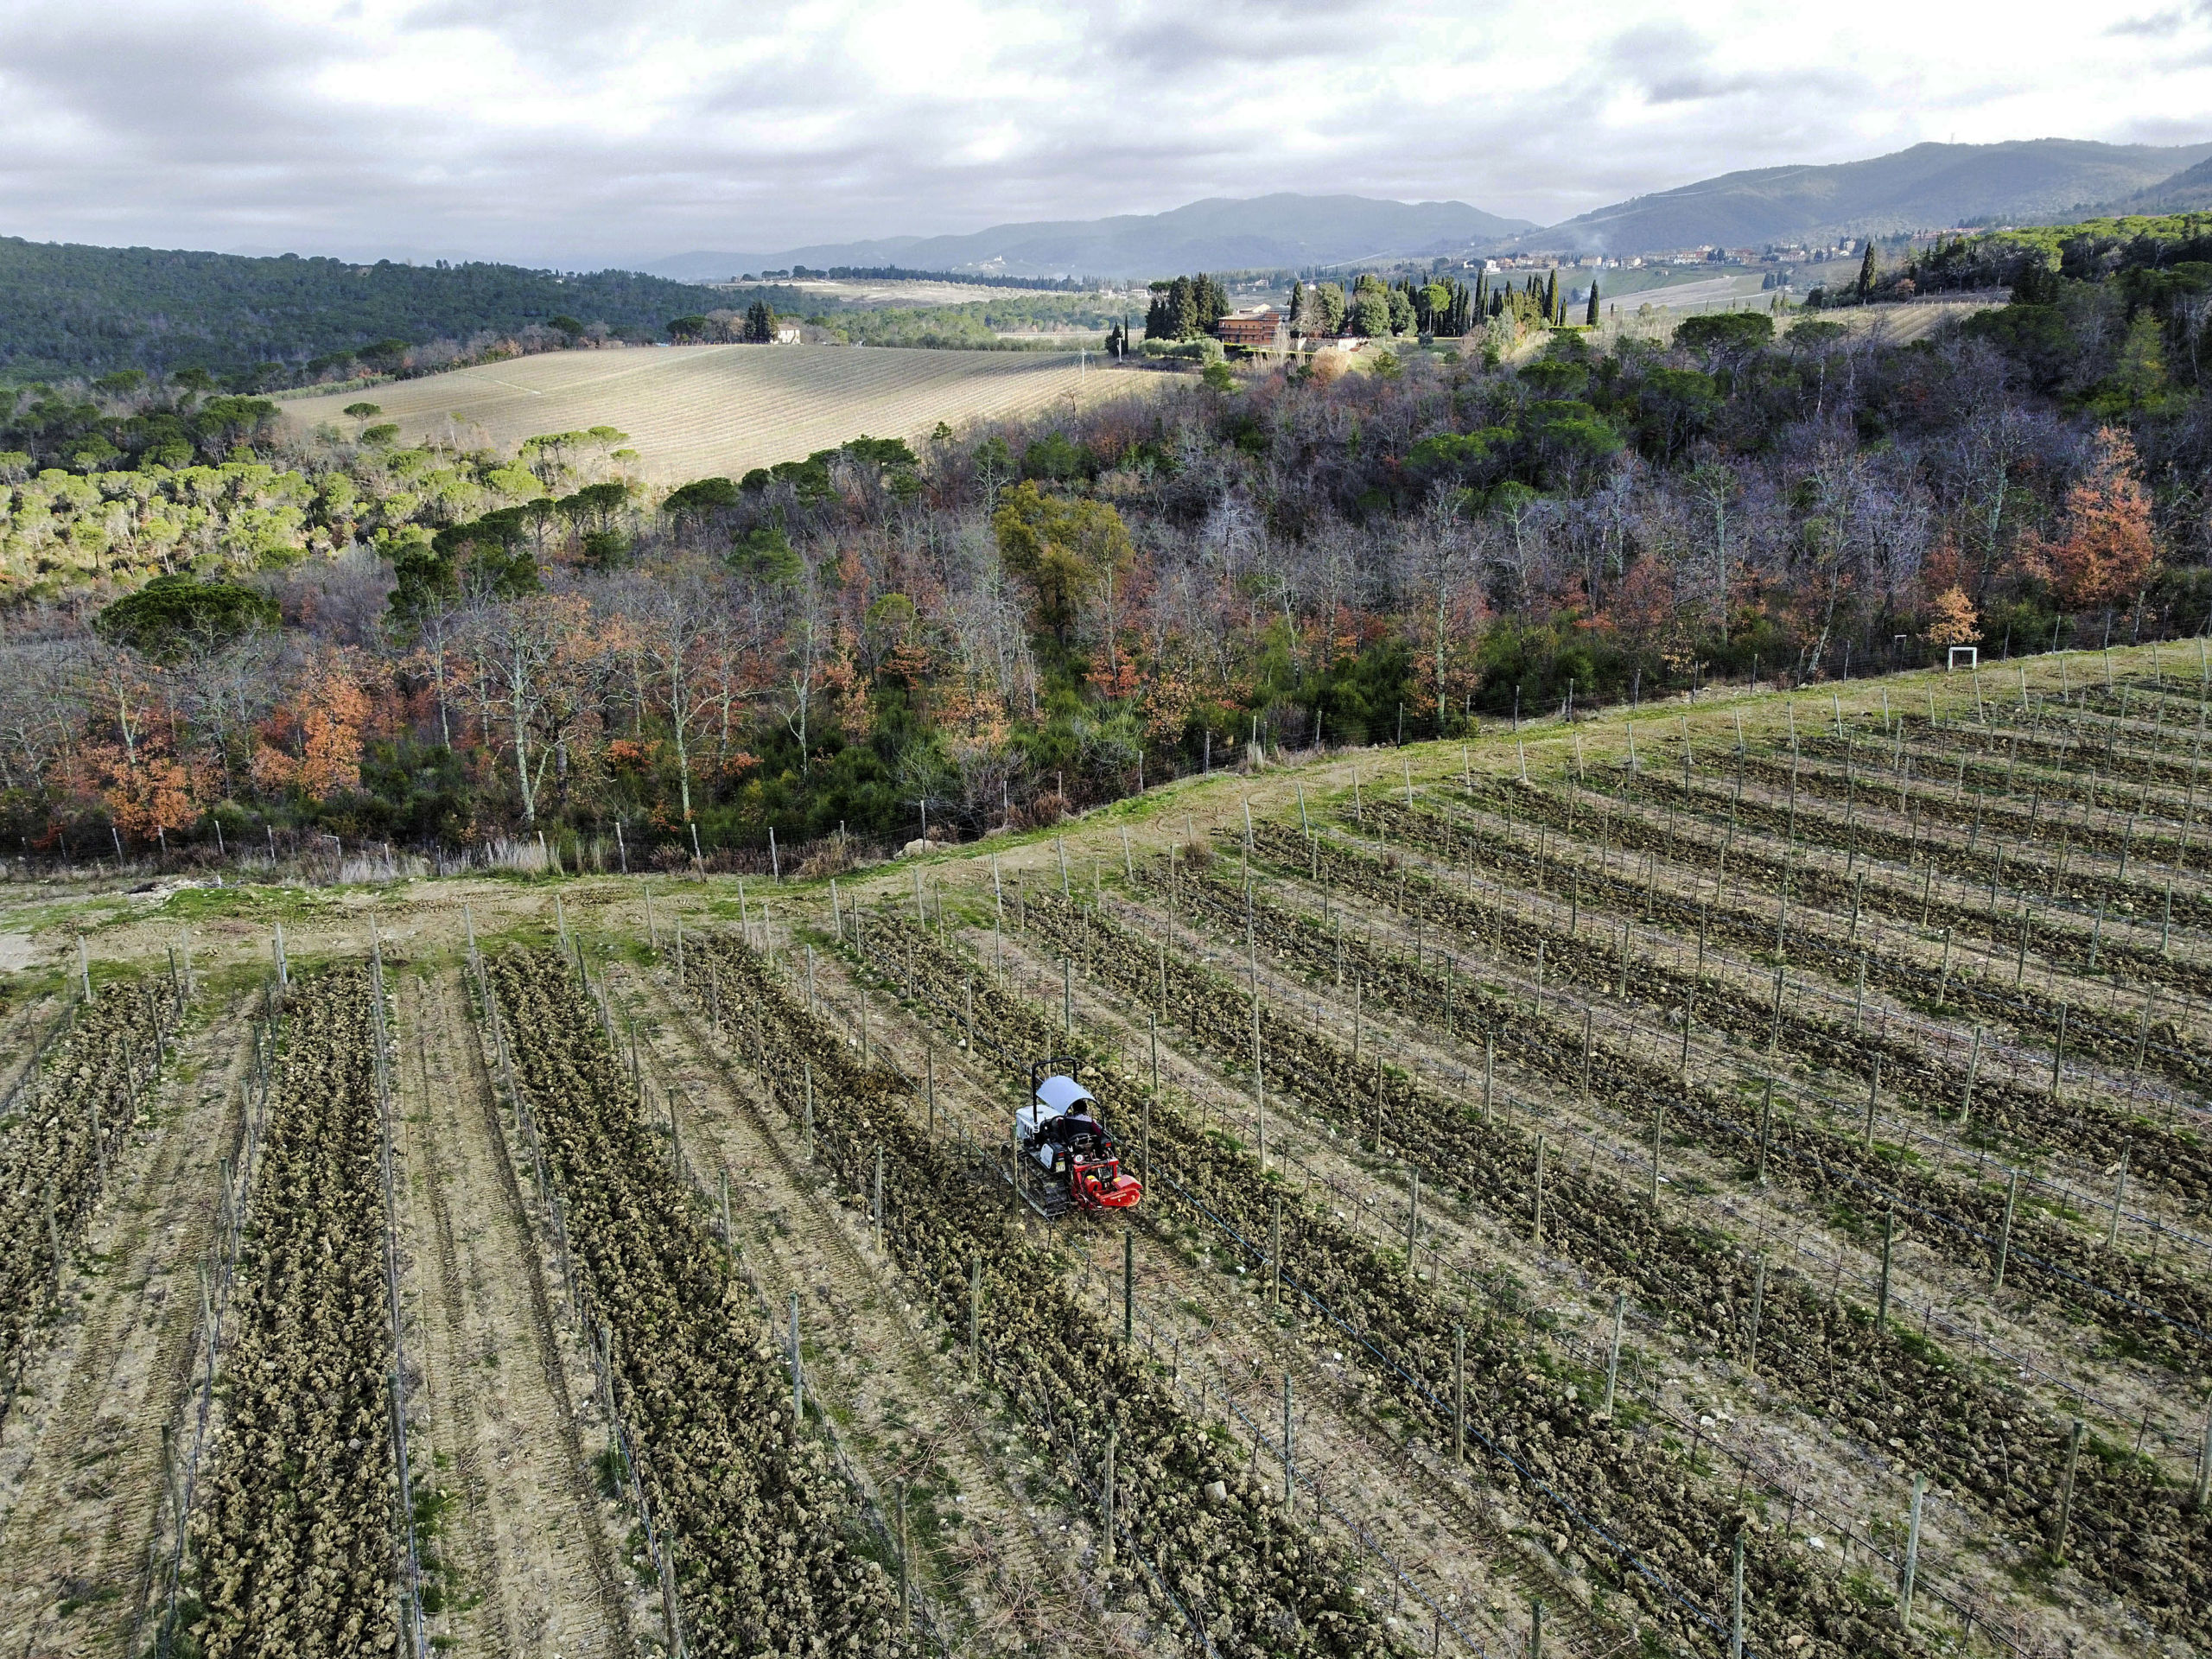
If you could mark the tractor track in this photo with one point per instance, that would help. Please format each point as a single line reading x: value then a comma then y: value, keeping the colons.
x: 1379, y: 1291
x: 819, y: 1232
x: 548, y: 1418
x: 1447, y: 1503
x: 87, y: 1481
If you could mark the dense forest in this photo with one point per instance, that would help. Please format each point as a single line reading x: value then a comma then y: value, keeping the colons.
x: 1000, y: 623
x: 255, y: 324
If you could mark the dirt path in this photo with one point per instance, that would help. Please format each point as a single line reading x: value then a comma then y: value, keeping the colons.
x: 526, y: 1539
x: 905, y: 1411
x: 80, y: 1463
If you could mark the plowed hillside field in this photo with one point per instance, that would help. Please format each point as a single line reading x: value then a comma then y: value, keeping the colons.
x: 694, y: 411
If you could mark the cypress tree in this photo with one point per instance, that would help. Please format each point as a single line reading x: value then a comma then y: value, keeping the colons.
x: 1867, y: 271
x: 1297, y: 303
x: 1590, y: 318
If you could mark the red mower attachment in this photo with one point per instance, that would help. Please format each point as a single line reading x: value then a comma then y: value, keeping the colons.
x: 1100, y: 1186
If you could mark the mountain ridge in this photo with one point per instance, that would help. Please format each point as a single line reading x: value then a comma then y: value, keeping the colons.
x: 1923, y: 186
x: 1280, y: 230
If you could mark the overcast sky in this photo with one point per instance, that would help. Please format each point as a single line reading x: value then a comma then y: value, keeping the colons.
x: 587, y: 132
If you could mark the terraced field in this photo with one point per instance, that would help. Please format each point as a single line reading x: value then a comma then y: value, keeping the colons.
x: 1724, y: 1179
x: 697, y: 412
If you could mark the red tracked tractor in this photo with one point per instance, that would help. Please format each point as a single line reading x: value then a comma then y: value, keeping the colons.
x: 1064, y: 1159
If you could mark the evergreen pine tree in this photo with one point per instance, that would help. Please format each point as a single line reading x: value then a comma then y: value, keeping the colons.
x: 1297, y: 303
x: 1589, y: 317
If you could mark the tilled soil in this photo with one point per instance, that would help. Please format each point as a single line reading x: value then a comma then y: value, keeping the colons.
x: 80, y: 1457
x: 911, y: 1419
x: 528, y: 1553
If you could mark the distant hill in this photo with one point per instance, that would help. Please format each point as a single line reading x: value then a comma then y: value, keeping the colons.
x: 67, y: 308
x: 1927, y: 187
x: 2189, y: 190
x: 1281, y: 231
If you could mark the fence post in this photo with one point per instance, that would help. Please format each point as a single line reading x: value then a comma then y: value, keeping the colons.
x: 1106, y: 1553
x: 1736, y: 1599
x: 1459, y: 1393
x: 2204, y: 1466
x: 1613, y: 1356
x: 1538, y: 1231
x: 1129, y: 1286
x: 1288, y: 1458
x: 1889, y: 1238
x: 1974, y: 1068
x: 1758, y: 1303
x: 799, y: 1372
x: 1275, y: 1249
x: 1766, y: 1129
x: 2005, y: 1241
x: 2066, y: 1492
x: 1911, y: 1554
x: 2118, y: 1192
x: 975, y: 1312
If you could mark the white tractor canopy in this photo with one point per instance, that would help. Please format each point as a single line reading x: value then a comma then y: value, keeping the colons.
x: 1055, y: 1096
x: 1060, y: 1093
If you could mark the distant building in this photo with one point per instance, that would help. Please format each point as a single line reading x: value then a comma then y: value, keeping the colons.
x: 787, y: 333
x: 1261, y: 329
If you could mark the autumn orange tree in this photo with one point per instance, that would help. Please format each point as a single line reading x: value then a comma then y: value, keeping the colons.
x: 2108, y: 548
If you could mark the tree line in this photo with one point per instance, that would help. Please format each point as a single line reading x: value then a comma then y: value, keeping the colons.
x: 1000, y: 623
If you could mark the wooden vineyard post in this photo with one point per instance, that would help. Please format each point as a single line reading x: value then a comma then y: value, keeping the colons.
x: 1106, y: 1497
x: 929, y: 1055
x: 1413, y: 1217
x: 2005, y: 1240
x: 1259, y: 1082
x: 1889, y: 1239
x: 1736, y: 1598
x: 1539, y: 1228
x: 1658, y: 1129
x: 1758, y: 1304
x: 1489, y: 1066
x: 974, y: 1312
x: 875, y: 1203
x: 806, y: 1124
x: 54, y: 1237
x: 1152, y: 1029
x: 1274, y: 1250
x: 1614, y: 1354
x: 1974, y: 1067
x: 1766, y: 1130
x: 798, y: 1373
x: 1911, y: 1554
x: 1459, y: 1393
x: 1536, y: 1630
x: 810, y: 982
x: 2203, y: 1495
x: 1288, y: 1462
x: 1587, y: 1015
x: 1873, y: 1089
x: 2066, y: 1493
x: 2058, y: 1050
x: 1128, y: 858
x: 1067, y: 998
x: 729, y: 1237
x: 2112, y: 1231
